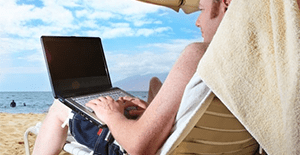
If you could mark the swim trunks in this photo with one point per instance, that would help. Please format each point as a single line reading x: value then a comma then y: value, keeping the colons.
x: 100, y: 141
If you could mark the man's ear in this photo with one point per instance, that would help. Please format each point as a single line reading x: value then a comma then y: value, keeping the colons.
x: 226, y: 3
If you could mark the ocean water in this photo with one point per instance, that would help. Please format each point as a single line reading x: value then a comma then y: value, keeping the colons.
x: 37, y: 102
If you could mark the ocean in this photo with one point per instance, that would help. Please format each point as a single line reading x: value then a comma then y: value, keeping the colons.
x: 38, y: 102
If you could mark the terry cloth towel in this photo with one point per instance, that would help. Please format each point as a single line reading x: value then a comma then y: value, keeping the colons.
x: 253, y: 66
x: 188, y: 6
x: 196, y: 99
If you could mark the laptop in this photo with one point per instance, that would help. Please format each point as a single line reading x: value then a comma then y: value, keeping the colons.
x: 78, y: 72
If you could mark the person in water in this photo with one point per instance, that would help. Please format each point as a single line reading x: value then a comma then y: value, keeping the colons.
x: 13, y: 103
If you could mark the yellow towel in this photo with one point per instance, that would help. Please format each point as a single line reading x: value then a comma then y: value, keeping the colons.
x: 188, y: 6
x: 253, y: 66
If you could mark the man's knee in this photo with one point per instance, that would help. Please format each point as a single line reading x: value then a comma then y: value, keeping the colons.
x: 154, y: 85
x: 155, y: 81
x: 59, y: 110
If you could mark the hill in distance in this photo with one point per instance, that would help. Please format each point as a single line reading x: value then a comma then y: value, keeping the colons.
x: 138, y: 82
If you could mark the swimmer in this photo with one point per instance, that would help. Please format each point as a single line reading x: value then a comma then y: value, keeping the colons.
x: 13, y: 104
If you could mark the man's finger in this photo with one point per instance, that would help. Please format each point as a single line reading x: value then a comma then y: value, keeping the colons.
x: 136, y: 112
x: 91, y: 104
x: 140, y: 103
x: 109, y: 98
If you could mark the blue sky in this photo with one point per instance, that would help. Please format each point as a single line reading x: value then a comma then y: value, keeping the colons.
x: 138, y: 38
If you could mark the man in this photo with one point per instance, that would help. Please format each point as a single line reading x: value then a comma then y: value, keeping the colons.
x: 146, y: 134
x: 13, y: 103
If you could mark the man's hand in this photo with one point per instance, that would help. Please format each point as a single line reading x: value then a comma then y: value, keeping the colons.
x: 135, y: 106
x: 106, y: 108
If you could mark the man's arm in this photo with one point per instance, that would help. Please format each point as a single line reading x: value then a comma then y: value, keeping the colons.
x: 147, y: 134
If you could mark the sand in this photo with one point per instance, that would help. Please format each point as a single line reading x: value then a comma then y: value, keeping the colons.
x: 12, y: 129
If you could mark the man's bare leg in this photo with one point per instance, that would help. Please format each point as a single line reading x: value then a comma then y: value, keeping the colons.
x: 154, y: 87
x: 52, y: 136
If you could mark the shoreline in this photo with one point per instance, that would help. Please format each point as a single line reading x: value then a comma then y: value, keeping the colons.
x: 12, y: 129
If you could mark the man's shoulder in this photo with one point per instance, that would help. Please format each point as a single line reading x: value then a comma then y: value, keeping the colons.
x: 197, y: 46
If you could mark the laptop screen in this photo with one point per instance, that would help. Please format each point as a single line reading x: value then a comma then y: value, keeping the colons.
x: 76, y: 65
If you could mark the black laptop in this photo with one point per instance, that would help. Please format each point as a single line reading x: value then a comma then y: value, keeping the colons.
x: 78, y: 72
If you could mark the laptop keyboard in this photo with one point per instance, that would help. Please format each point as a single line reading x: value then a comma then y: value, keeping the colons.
x: 115, y: 94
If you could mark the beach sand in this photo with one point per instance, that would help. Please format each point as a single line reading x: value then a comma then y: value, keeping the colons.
x: 12, y: 129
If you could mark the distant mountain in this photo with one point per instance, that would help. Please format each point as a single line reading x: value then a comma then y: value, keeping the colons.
x: 138, y: 82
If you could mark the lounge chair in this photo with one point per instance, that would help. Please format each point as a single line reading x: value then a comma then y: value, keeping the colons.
x: 217, y: 132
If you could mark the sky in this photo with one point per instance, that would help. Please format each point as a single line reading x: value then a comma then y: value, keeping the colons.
x: 138, y: 38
